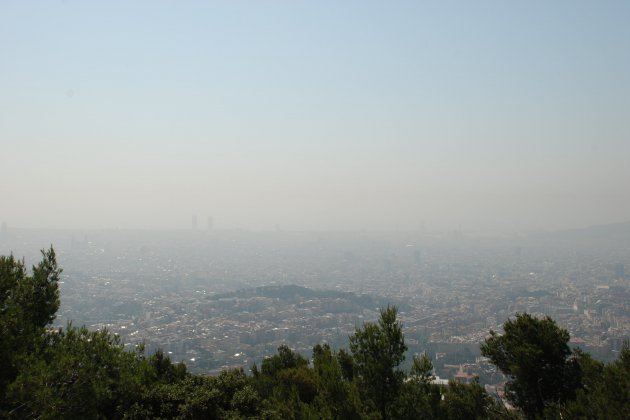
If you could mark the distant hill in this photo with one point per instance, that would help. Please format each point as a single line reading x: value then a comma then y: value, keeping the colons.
x: 617, y: 234
x: 288, y: 292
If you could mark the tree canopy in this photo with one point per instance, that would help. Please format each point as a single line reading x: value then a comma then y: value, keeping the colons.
x: 535, y: 355
x: 378, y: 349
x: 28, y: 304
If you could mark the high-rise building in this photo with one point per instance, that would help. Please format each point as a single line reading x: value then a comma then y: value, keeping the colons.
x: 619, y: 271
x: 210, y: 223
x: 194, y: 222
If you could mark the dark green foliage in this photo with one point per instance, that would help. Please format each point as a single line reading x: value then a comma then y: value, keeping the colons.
x: 423, y: 400
x: 228, y: 395
x: 165, y: 370
x: 285, y: 359
x: 279, y: 373
x: 606, y: 392
x: 337, y: 396
x: 286, y: 381
x: 300, y: 379
x: 246, y: 401
x: 418, y: 400
x: 193, y: 397
x: 466, y: 401
x: 346, y: 363
x: 421, y: 369
x: 616, y: 385
x: 377, y: 350
x: 534, y: 353
x: 28, y: 304
x: 78, y: 374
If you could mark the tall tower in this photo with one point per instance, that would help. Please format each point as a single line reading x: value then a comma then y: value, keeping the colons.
x: 619, y: 271
x: 194, y: 222
x: 210, y: 223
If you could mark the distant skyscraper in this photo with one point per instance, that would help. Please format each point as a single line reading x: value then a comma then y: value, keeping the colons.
x: 417, y: 256
x: 619, y: 271
x: 194, y: 222
x: 210, y: 223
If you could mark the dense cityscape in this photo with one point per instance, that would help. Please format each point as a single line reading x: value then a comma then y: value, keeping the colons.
x: 219, y: 299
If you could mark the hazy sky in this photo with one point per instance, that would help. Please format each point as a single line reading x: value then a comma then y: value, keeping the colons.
x: 314, y: 115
